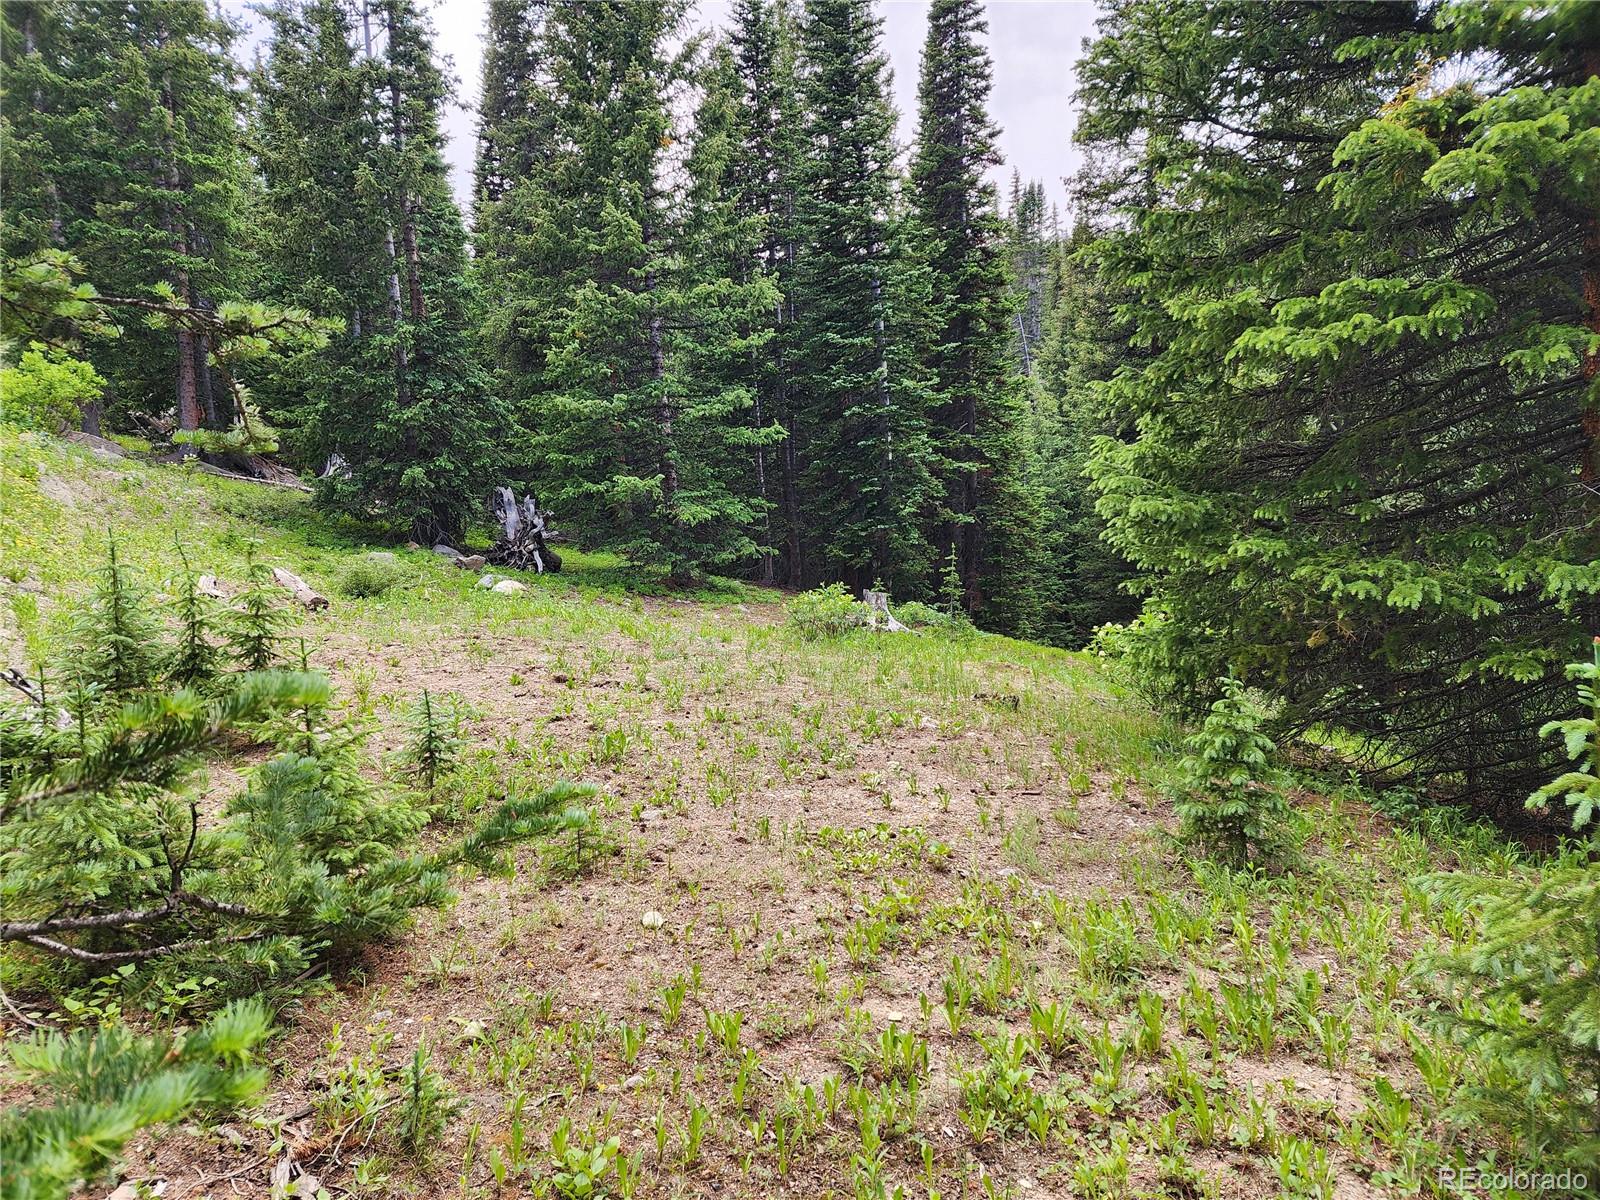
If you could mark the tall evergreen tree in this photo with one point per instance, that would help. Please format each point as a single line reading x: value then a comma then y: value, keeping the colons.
x: 1082, y: 578
x: 1029, y: 251
x: 861, y: 438
x: 763, y: 176
x: 355, y: 185
x: 513, y: 126
x: 980, y: 409
x: 1361, y: 454
x: 121, y: 124
x: 640, y: 438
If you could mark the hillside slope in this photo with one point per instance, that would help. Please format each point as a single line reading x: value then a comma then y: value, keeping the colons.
x: 877, y: 913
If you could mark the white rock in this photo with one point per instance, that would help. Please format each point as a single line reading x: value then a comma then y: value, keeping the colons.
x: 509, y: 586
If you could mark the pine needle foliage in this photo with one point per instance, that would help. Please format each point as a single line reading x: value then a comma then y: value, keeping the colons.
x: 1527, y: 990
x: 434, y: 743
x: 1226, y: 802
x: 256, y: 626
x: 198, y: 655
x: 108, y: 858
x: 105, y: 1086
x: 114, y: 640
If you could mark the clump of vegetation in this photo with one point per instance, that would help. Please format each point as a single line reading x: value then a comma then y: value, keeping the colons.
x: 1226, y: 803
x: 255, y: 628
x: 1528, y: 989
x: 434, y: 744
x: 101, y: 1088
x: 826, y: 612
x: 109, y: 859
x: 914, y: 614
x: 47, y: 389
x: 368, y: 576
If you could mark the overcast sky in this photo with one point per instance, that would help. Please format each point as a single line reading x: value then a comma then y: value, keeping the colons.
x: 1034, y: 44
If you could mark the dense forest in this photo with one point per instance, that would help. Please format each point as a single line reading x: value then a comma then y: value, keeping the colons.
x: 1290, y: 419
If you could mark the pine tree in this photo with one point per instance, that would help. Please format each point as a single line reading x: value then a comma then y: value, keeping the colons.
x: 763, y: 170
x: 1029, y: 250
x: 255, y: 627
x: 979, y: 405
x: 196, y: 658
x: 1360, y: 448
x: 107, y: 1084
x: 122, y: 126
x: 861, y: 436
x: 1524, y: 990
x: 355, y: 182
x: 1081, y: 578
x: 640, y: 436
x: 434, y: 742
x: 513, y: 121
x: 108, y: 858
x: 1226, y: 800
x: 113, y: 643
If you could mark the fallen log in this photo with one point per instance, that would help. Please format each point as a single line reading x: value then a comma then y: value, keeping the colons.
x: 523, y: 531
x: 212, y: 469
x: 302, y: 591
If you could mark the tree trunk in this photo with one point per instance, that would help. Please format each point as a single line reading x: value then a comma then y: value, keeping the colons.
x: 408, y: 233
x: 795, y: 575
x: 202, y: 374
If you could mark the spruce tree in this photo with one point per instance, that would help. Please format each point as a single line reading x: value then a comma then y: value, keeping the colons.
x: 1081, y: 577
x: 513, y: 127
x: 1361, y: 446
x: 640, y: 438
x: 355, y: 183
x: 979, y: 401
x: 763, y: 169
x: 121, y: 125
x: 861, y: 437
x: 1030, y: 248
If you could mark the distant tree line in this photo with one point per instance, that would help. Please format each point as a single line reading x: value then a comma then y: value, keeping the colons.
x: 702, y: 311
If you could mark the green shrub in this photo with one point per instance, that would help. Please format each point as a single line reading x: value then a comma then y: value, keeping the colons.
x: 826, y: 612
x: 97, y: 1090
x: 1527, y: 989
x: 1225, y: 800
x: 433, y: 742
x: 913, y: 614
x: 106, y: 860
x: 367, y: 577
x: 47, y: 390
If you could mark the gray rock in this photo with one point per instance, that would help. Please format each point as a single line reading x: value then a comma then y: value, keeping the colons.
x: 383, y: 556
x: 488, y: 581
x: 447, y: 551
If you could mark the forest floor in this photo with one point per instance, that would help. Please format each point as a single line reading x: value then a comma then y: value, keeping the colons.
x: 922, y: 929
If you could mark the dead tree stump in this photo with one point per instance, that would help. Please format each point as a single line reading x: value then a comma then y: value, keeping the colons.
x: 523, y: 529
x: 878, y: 604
